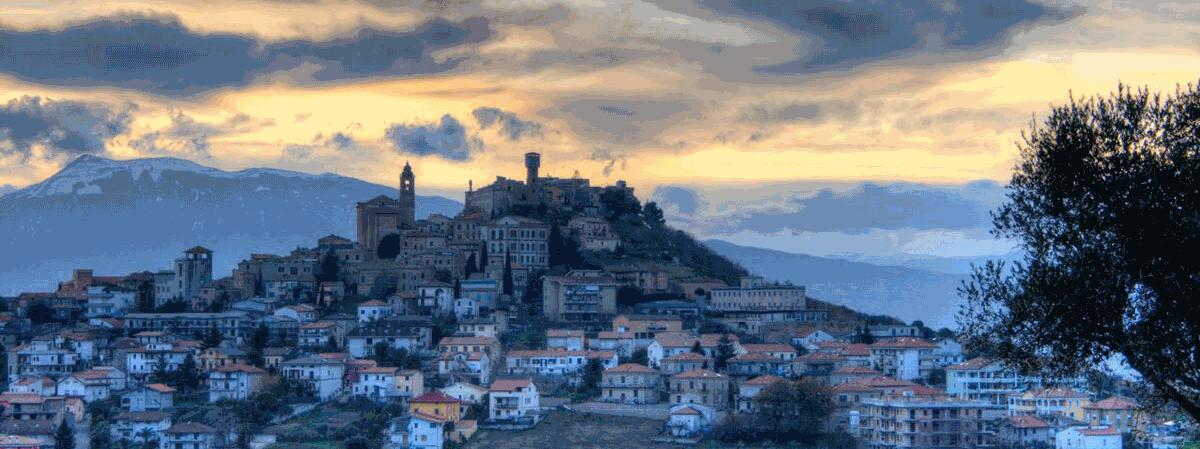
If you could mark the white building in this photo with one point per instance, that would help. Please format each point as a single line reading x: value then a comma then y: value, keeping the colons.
x: 149, y: 397
x: 1089, y: 437
x: 426, y: 431
x: 109, y: 301
x: 137, y: 427
x: 555, y: 362
x: 565, y: 339
x: 903, y: 358
x: 514, y: 400
x: 234, y: 382
x: 373, y: 310
x: 322, y: 377
x: 188, y: 435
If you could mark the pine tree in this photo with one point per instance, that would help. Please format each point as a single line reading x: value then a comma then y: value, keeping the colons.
x: 329, y: 268
x: 725, y: 352
x: 64, y: 438
x: 470, y: 268
x: 188, y: 376
x: 213, y: 339
x: 508, y: 275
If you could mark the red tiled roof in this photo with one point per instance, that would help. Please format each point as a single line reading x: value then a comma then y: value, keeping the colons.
x: 631, y: 368
x: 562, y: 333
x: 434, y: 397
x: 241, y: 368
x: 973, y: 364
x: 768, y: 347
x: 1029, y: 422
x: 1103, y: 431
x: 765, y: 380
x: 506, y: 385
x: 161, y: 388
x: 1114, y: 403
x: 686, y: 357
x: 857, y: 369
x: 905, y: 343
x: 699, y: 374
x: 427, y: 417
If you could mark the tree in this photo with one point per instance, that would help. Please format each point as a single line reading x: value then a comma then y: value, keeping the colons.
x: 508, y: 275
x: 330, y: 269
x: 260, y: 337
x: 1103, y: 202
x: 793, y: 410
x: 483, y: 258
x: 213, y: 338
x: 188, y: 376
x: 725, y: 352
x: 389, y: 247
x: 641, y: 356
x: 64, y: 438
x: 696, y: 348
x: 589, y: 383
x: 471, y: 266
x: 653, y: 214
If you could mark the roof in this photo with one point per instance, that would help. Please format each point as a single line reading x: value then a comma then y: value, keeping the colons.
x: 1097, y: 431
x: 143, y: 416
x: 765, y: 380
x: 905, y: 343
x: 434, y: 397
x: 1029, y: 422
x: 751, y: 357
x: 199, y: 250
x: 699, y: 374
x: 417, y: 414
x: 973, y: 364
x: 560, y: 353
x: 686, y: 411
x: 1114, y: 403
x: 508, y: 385
x: 631, y: 368
x: 161, y: 388
x: 241, y: 368
x: 768, y: 347
x: 608, y: 335
x: 686, y: 357
x: 465, y: 340
x: 561, y: 333
x: 378, y: 370
x: 856, y: 369
x: 373, y: 303
x: 191, y: 427
x: 1057, y: 392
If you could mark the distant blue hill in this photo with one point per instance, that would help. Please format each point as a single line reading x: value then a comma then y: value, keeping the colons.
x: 906, y: 293
x: 122, y: 216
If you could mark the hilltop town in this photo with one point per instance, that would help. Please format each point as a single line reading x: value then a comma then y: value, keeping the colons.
x: 544, y: 302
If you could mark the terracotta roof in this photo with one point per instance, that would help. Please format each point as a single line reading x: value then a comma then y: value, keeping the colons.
x: 631, y: 368
x: 161, y: 388
x: 814, y: 357
x: 1101, y: 431
x: 973, y: 364
x: 857, y: 369
x: 905, y: 343
x: 1114, y: 403
x: 686, y: 411
x: 699, y: 374
x: 191, y: 427
x: 143, y: 416
x: 467, y: 341
x: 1029, y: 422
x: 686, y: 357
x: 561, y: 353
x: 373, y: 303
x: 605, y: 335
x: 751, y: 357
x: 507, y: 385
x: 768, y: 347
x: 241, y: 368
x: 378, y: 370
x: 427, y: 417
x: 765, y: 380
x: 434, y: 397
x: 1057, y: 392
x: 318, y: 325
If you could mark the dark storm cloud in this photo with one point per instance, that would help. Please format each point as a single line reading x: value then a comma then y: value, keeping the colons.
x: 62, y: 127
x: 161, y: 56
x: 509, y: 123
x: 447, y: 139
x: 853, y: 32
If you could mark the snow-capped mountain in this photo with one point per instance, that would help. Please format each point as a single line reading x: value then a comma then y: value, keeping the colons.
x: 120, y: 216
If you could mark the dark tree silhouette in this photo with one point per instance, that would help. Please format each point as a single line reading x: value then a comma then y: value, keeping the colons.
x: 508, y: 275
x: 1105, y: 202
x: 483, y: 258
x: 471, y: 266
x: 389, y: 247
x: 330, y: 269
x: 653, y: 214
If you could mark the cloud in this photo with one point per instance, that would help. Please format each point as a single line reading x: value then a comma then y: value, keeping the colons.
x: 618, y: 120
x: 679, y: 199
x: 159, y: 55
x: 342, y: 140
x: 508, y: 123
x: 447, y: 139
x: 59, y: 126
x: 848, y: 33
x: 298, y: 152
x: 190, y: 136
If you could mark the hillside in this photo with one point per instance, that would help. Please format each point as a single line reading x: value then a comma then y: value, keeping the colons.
x: 906, y: 293
x: 121, y: 216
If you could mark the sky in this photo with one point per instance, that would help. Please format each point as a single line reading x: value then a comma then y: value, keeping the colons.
x: 709, y: 96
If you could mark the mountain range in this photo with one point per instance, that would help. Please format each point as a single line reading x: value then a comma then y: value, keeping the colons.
x: 118, y: 217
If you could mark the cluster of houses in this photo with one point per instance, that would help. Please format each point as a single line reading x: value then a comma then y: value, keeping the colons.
x: 114, y: 339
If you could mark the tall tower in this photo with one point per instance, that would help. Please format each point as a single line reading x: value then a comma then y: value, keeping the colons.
x: 533, y: 161
x: 192, y: 271
x: 408, y: 196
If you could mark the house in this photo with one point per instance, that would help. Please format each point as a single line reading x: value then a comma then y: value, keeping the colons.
x: 949, y: 352
x: 514, y: 401
x: 320, y: 376
x: 555, y: 362
x: 91, y: 386
x: 373, y: 310
x: 690, y: 420
x: 465, y: 308
x: 41, y: 386
x: 807, y: 337
x: 987, y: 380
x: 40, y: 358
x: 667, y: 344
x: 138, y: 427
x: 565, y: 339
x: 645, y: 327
x: 319, y: 334
x: 426, y: 431
x: 473, y: 366
x: 1088, y: 437
x: 905, y: 358
x: 1064, y: 401
x: 273, y: 356
x: 702, y: 387
x: 893, y: 331
x: 149, y: 397
x: 109, y: 301
x: 189, y: 435
x: 783, y: 352
x: 1118, y: 412
x: 618, y: 342
x: 456, y: 344
x: 410, y: 383
x: 303, y: 313
x: 630, y: 383
x: 580, y: 296
x: 219, y: 356
x: 1026, y: 431
x: 684, y: 362
x: 818, y: 364
x: 757, y: 364
x: 852, y: 373
x: 376, y: 383
x: 468, y: 394
x: 485, y: 292
x: 234, y: 382
x: 436, y: 403
x: 960, y: 423
x: 477, y: 327
x: 395, y: 334
x: 749, y: 389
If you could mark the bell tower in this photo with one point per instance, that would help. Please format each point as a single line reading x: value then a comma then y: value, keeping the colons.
x: 408, y: 196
